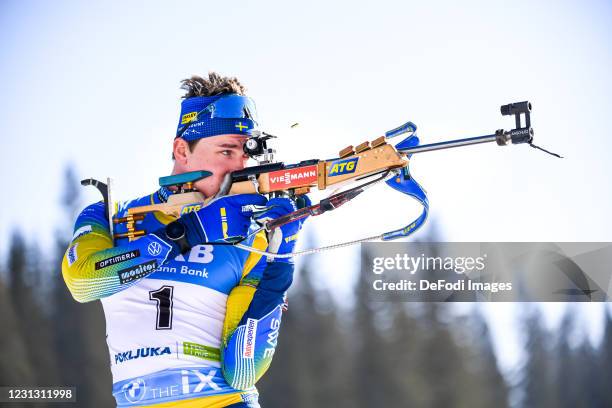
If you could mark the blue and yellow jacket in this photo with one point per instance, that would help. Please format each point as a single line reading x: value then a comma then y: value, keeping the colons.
x: 183, y: 330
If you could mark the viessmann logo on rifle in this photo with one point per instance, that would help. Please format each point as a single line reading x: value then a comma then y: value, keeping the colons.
x: 293, y: 177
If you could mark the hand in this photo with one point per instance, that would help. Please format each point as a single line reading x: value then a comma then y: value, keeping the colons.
x: 282, y: 240
x: 225, y: 218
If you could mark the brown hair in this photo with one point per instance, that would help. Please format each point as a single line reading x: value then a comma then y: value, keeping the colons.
x: 215, y: 84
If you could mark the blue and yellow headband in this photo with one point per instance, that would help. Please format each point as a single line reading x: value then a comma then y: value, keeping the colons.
x: 205, y: 116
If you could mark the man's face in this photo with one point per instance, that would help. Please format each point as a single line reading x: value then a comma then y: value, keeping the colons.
x: 218, y: 154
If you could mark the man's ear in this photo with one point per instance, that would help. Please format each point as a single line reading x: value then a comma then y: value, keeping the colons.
x: 180, y: 148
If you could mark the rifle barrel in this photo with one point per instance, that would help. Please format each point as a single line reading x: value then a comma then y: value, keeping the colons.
x: 449, y: 144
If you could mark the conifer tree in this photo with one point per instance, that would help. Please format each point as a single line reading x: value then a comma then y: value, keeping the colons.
x: 604, y: 356
x: 538, y: 370
x: 15, y: 367
x: 483, y: 383
x: 369, y: 373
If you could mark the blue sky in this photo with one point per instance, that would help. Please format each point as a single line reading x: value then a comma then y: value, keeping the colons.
x: 96, y: 84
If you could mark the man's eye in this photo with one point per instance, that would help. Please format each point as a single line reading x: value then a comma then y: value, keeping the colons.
x: 226, y: 152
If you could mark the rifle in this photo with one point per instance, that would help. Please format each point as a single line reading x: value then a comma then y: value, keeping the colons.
x: 368, y: 163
